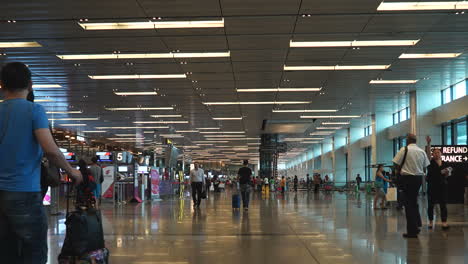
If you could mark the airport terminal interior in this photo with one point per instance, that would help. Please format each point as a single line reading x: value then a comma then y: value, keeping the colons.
x: 325, y: 90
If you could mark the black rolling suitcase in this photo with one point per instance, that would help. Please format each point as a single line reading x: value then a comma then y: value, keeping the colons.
x: 84, y: 238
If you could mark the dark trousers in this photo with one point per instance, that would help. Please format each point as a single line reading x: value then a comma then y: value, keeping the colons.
x: 23, y: 228
x: 282, y: 189
x: 245, y: 193
x: 316, y: 187
x: 295, y: 187
x: 197, y: 188
x: 443, y: 210
x: 410, y: 186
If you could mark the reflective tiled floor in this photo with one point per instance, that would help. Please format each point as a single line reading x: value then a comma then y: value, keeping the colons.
x: 297, y: 228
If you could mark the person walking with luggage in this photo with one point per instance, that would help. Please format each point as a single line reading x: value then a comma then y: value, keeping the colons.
x: 24, y: 128
x: 96, y: 171
x: 412, y: 162
x: 245, y: 182
x: 437, y: 188
x: 296, y: 182
x: 283, y: 185
x: 379, y: 184
x: 197, y: 180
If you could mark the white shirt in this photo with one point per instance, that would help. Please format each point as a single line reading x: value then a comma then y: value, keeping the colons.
x: 416, y: 160
x: 265, y: 181
x: 197, y: 175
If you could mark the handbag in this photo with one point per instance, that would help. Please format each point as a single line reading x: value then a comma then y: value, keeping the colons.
x: 50, y: 174
x: 391, y: 194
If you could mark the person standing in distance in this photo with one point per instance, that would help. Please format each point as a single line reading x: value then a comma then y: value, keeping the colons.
x: 96, y: 171
x: 197, y: 180
x: 24, y: 132
x: 358, y: 181
x: 245, y: 182
x: 411, y: 172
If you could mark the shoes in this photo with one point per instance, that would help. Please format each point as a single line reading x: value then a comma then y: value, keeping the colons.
x: 429, y: 227
x: 410, y: 235
x: 445, y: 227
x: 246, y: 209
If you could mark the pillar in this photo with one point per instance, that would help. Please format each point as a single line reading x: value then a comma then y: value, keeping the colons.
x: 267, y: 154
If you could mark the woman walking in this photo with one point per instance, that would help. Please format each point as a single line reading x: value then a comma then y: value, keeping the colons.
x: 437, y: 190
x: 380, y: 179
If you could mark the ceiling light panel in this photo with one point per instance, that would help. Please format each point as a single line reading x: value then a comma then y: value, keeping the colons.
x: 135, y: 93
x: 227, y: 118
x: 153, y: 25
x: 335, y: 123
x: 75, y: 119
x: 336, y: 67
x: 72, y: 125
x: 138, y: 76
x: 39, y: 86
x: 31, y: 44
x: 222, y: 132
x: 328, y: 128
x: 136, y: 127
x: 420, y: 6
x: 187, y: 131
x: 94, y: 131
x: 169, y: 55
x: 162, y: 122
x: 352, y: 43
x: 393, y: 81
x: 257, y: 103
x: 64, y: 112
x: 337, y: 116
x: 304, y: 111
x: 264, y: 90
x: 429, y: 55
x: 138, y: 108
x: 161, y: 116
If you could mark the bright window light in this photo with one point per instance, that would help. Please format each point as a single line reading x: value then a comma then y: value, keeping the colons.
x: 256, y: 103
x: 428, y: 55
x: 135, y: 93
x: 169, y: 55
x: 352, y: 43
x: 336, y: 67
x: 138, y: 76
x: 304, y: 111
x: 138, y: 108
x: 31, y: 44
x: 153, y: 25
x: 393, y: 81
x: 264, y: 90
x: 415, y: 6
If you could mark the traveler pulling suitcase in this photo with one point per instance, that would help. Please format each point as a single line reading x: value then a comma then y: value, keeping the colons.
x: 84, y: 238
x: 235, y: 201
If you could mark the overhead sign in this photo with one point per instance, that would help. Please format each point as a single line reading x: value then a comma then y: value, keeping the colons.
x: 453, y: 153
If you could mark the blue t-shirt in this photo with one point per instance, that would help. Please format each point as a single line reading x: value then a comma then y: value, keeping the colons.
x: 20, y: 152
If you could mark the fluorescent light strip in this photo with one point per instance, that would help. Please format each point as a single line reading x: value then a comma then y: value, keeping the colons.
x: 336, y: 67
x: 328, y: 128
x: 210, y: 141
x: 256, y: 103
x: 153, y: 25
x: 161, y: 122
x: 94, y: 131
x: 75, y: 119
x: 160, y: 116
x: 38, y: 86
x: 171, y: 135
x: 304, y: 111
x: 42, y: 100
x: 417, y: 6
x: 221, y: 136
x: 264, y: 90
x: 122, y: 138
x: 335, y: 123
x: 310, y: 142
x: 64, y: 112
x: 137, y: 108
x: 337, y: 116
x: 135, y: 93
x: 353, y: 43
x: 208, y: 128
x: 31, y: 44
x: 222, y: 132
x: 253, y: 143
x: 429, y: 55
x: 322, y: 133
x: 148, y: 132
x: 169, y: 55
x: 227, y: 118
x: 393, y: 81
x: 156, y: 127
x: 125, y: 135
x: 70, y: 125
x: 187, y: 131
x: 138, y: 76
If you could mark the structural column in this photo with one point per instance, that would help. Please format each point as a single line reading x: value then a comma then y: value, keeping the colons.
x: 268, y: 151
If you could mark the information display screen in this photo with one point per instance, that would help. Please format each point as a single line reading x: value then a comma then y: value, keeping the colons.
x: 123, y: 169
x: 104, y: 156
x: 69, y: 156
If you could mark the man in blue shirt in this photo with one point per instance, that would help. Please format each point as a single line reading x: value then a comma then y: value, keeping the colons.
x: 24, y: 138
